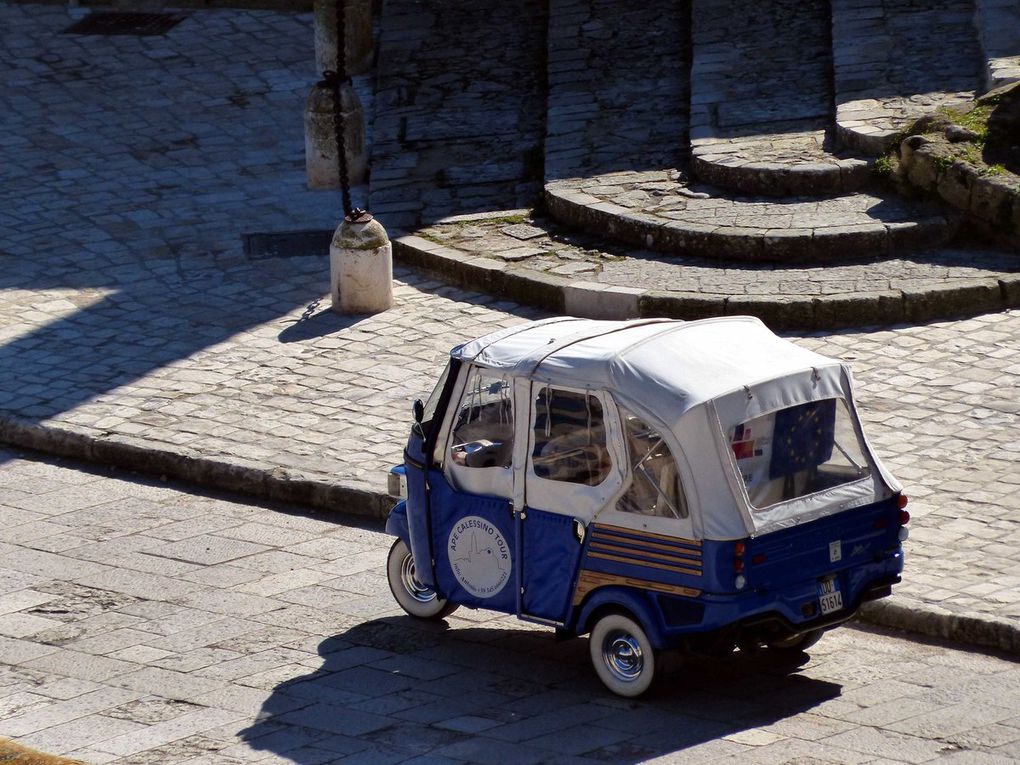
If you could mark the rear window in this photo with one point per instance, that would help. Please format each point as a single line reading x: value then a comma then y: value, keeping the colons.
x: 798, y: 451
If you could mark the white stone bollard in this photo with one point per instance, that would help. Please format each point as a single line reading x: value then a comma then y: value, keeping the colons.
x: 361, y: 267
x: 320, y: 137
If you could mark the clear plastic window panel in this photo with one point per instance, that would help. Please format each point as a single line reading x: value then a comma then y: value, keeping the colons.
x: 483, y: 434
x: 655, y: 484
x: 570, y: 438
x: 798, y: 451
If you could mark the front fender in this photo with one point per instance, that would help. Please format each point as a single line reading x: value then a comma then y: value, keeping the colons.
x: 634, y: 602
x: 396, y: 523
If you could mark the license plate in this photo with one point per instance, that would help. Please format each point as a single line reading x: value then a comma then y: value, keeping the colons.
x: 830, y: 599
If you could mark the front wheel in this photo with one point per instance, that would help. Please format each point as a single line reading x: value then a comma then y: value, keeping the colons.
x: 622, y: 655
x: 414, y: 597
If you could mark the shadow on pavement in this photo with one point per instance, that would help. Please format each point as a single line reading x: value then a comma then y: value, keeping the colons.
x: 398, y: 688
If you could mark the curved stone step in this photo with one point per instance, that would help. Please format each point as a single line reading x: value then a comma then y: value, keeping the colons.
x: 516, y: 257
x: 659, y: 212
x: 896, y: 60
x: 791, y: 163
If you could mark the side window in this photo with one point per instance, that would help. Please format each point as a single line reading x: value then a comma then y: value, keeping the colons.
x: 483, y: 431
x: 570, y: 438
x: 655, y: 485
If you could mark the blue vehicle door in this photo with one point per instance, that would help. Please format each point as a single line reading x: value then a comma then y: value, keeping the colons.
x: 421, y: 472
x: 571, y: 474
x: 473, y: 534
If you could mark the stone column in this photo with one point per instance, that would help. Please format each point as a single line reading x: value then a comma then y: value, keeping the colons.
x: 359, y: 35
x: 320, y: 137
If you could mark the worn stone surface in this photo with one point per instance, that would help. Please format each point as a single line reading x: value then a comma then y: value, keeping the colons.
x: 888, y: 69
x: 460, y: 108
x: 663, y: 212
x: 999, y: 24
x: 619, y: 87
x: 141, y: 623
x: 761, y: 106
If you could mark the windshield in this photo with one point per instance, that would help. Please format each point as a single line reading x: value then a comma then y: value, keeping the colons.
x: 798, y: 451
x: 432, y: 404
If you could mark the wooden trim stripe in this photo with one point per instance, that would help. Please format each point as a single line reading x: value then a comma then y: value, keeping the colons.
x: 671, y: 557
x: 589, y: 581
x: 647, y: 550
x: 645, y: 563
x: 648, y: 534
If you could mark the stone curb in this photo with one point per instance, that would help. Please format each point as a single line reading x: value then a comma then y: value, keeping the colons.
x: 582, y: 211
x: 166, y: 461
x: 969, y: 629
x: 558, y: 294
x: 276, y: 483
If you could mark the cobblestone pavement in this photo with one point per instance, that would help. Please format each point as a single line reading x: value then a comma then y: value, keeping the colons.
x: 130, y: 315
x: 140, y: 623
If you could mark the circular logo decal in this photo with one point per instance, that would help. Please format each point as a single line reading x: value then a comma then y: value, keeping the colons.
x: 479, y: 556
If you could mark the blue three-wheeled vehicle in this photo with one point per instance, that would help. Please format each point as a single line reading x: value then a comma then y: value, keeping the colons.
x: 658, y: 484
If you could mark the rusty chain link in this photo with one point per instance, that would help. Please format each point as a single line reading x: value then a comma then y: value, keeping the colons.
x: 335, y: 81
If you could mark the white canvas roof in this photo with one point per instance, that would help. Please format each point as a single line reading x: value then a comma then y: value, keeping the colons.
x: 670, y: 366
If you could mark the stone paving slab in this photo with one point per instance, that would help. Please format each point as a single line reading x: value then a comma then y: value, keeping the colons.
x: 331, y: 671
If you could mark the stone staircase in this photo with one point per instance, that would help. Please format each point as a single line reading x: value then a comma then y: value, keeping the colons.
x: 779, y: 127
x: 727, y: 132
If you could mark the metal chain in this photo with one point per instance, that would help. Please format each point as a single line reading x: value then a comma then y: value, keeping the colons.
x: 336, y: 80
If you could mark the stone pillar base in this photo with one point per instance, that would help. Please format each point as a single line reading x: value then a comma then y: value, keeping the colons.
x: 320, y: 137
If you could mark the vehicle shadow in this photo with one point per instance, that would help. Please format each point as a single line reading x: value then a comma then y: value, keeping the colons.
x: 396, y: 687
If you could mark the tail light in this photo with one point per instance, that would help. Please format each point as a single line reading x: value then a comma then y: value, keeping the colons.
x: 738, y: 565
x: 904, y: 519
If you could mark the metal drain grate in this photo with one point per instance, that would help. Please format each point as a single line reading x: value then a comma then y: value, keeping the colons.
x: 138, y: 24
x: 286, y: 244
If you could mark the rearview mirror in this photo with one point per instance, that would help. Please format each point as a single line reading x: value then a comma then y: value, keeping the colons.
x: 418, y: 410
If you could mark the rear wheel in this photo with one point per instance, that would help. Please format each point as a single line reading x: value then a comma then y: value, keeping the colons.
x: 799, y: 642
x: 414, y: 597
x: 622, y: 655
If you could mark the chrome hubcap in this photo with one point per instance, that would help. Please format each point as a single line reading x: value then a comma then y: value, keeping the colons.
x: 414, y: 588
x: 622, y: 654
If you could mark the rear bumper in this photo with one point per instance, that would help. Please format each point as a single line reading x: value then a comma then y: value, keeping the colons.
x: 766, y: 615
x: 774, y: 625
